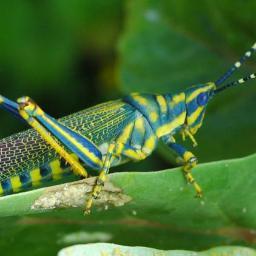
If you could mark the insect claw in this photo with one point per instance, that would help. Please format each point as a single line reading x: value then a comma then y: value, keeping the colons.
x: 199, y: 192
x: 95, y: 197
x: 199, y: 195
x: 88, y: 205
x: 183, y: 135
x: 195, y: 144
x: 87, y: 212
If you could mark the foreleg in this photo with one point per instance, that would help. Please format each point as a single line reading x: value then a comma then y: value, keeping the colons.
x: 189, y: 161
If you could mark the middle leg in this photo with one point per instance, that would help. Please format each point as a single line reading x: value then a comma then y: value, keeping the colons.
x: 100, y: 180
x: 115, y: 150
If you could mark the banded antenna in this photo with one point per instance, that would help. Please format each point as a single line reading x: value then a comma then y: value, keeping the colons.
x: 235, y: 83
x: 236, y: 66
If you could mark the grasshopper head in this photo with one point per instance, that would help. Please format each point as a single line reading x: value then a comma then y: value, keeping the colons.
x: 197, y: 98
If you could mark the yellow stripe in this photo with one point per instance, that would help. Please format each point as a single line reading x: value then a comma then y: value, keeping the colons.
x: 150, y: 144
x: 16, y: 183
x: 74, y: 156
x: 125, y: 134
x: 206, y: 88
x: 162, y: 103
x: 136, y: 155
x: 153, y: 116
x: 176, y: 99
x: 56, y: 169
x: 83, y: 149
x: 35, y: 177
x: 168, y: 128
x: 1, y: 190
x: 187, y: 155
x: 122, y: 139
x: 192, y: 118
x: 76, y: 166
x: 194, y: 94
x: 140, y: 100
x: 194, y: 129
x: 139, y: 125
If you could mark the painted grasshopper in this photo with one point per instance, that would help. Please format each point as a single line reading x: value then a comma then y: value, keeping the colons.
x: 105, y: 135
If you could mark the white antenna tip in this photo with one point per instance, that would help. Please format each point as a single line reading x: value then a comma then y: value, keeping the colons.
x: 237, y: 64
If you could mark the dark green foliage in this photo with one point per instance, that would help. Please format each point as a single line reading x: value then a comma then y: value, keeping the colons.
x: 169, y: 46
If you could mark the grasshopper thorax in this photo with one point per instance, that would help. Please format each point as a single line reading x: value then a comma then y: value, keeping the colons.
x: 196, y: 100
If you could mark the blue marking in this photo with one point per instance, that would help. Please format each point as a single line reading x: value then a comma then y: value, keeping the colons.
x: 192, y: 107
x: 148, y: 132
x: 225, y: 76
x: 11, y: 107
x: 202, y: 98
x: 67, y: 173
x: 7, y: 186
x: 46, y: 172
x: 137, y: 137
x: 176, y: 111
x: 180, y: 150
x: 63, y: 164
x: 25, y: 180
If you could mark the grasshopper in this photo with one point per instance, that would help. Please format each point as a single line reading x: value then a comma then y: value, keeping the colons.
x: 105, y: 135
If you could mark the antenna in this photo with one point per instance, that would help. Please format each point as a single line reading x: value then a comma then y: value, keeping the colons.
x: 236, y: 65
x: 235, y: 83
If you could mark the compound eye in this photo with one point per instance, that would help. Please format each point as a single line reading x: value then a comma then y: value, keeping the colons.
x: 202, y: 99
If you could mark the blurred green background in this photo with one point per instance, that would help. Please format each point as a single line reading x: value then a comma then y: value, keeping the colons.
x: 69, y: 55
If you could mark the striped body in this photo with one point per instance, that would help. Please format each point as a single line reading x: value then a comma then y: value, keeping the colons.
x: 26, y: 160
x: 26, y: 153
x: 165, y: 113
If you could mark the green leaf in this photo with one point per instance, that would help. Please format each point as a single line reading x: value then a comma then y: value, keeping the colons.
x: 147, y: 206
x: 117, y: 250
x: 168, y: 46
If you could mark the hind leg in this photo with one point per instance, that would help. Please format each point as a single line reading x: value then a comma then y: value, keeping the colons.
x: 10, y: 106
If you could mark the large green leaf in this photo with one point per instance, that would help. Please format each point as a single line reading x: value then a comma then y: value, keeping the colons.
x: 170, y: 45
x: 117, y: 250
x: 157, y: 209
